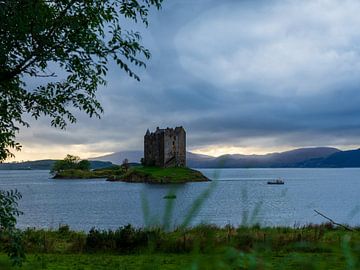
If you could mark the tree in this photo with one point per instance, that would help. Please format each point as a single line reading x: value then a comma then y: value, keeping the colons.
x: 125, y: 164
x: 68, y: 44
x: 70, y: 162
x: 84, y: 165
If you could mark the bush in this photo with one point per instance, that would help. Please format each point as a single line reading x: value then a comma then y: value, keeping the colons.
x: 126, y: 239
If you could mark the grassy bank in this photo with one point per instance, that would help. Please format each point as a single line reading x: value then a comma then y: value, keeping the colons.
x: 137, y: 174
x: 207, y: 247
x: 225, y: 261
x: 160, y: 175
x: 101, y: 262
x: 81, y: 174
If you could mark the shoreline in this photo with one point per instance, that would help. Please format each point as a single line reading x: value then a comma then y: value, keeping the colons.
x: 138, y: 174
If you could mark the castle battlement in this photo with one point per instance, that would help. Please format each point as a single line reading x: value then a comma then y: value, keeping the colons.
x: 165, y: 147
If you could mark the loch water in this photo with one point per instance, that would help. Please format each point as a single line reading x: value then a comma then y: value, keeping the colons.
x: 236, y: 196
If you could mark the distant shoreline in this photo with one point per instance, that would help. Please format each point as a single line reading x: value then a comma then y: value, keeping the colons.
x: 317, y: 157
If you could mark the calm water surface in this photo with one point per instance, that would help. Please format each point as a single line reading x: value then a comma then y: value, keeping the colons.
x: 238, y: 196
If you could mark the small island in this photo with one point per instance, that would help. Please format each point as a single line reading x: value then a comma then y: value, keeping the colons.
x: 164, y: 162
x: 136, y: 174
x: 156, y: 175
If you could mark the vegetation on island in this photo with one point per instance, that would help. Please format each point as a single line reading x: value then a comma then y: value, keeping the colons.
x: 136, y: 175
x: 70, y: 162
x: 72, y: 168
x: 81, y: 174
x: 156, y: 175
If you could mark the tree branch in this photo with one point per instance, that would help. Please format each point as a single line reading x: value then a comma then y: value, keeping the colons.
x: 33, y: 57
x: 333, y: 222
x: 43, y: 75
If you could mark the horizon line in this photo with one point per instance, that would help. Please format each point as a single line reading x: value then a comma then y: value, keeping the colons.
x: 198, y: 152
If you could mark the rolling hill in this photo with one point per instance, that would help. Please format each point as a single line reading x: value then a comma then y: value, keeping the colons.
x: 285, y: 159
x: 342, y: 159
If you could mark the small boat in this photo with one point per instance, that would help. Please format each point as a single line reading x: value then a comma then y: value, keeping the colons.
x: 169, y: 197
x: 276, y: 182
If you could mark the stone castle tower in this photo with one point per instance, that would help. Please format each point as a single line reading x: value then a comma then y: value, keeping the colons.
x: 165, y: 147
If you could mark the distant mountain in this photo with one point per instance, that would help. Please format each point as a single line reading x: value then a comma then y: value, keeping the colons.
x: 273, y: 160
x: 98, y: 164
x: 135, y: 156
x: 341, y: 159
x: 285, y: 159
x: 46, y: 165
x: 118, y: 157
x: 197, y: 160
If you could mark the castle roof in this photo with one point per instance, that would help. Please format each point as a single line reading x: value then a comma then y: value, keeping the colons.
x: 163, y: 130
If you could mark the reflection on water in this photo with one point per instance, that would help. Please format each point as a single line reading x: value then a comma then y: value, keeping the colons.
x: 240, y: 196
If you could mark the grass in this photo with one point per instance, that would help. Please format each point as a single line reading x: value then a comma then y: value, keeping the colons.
x: 200, y: 247
x: 99, y: 262
x: 136, y: 174
x: 227, y: 260
x: 82, y: 174
x: 79, y: 174
x: 163, y: 175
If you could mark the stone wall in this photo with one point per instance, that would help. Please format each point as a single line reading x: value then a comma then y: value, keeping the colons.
x: 165, y: 147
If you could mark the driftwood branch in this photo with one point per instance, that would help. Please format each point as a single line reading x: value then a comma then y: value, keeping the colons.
x: 43, y: 75
x: 333, y: 222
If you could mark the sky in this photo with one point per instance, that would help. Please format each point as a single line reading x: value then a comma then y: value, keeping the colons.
x: 240, y: 76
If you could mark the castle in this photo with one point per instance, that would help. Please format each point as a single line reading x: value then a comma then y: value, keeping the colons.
x: 165, y: 147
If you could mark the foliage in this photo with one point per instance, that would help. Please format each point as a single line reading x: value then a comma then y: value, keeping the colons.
x: 9, y: 209
x: 72, y: 167
x: 110, y: 168
x: 66, y: 45
x: 125, y: 164
x: 70, y: 163
x: 126, y: 239
x: 80, y: 174
x: 200, y: 247
x: 11, y: 238
x: 162, y: 175
x: 102, y: 262
x: 72, y: 170
x: 84, y: 165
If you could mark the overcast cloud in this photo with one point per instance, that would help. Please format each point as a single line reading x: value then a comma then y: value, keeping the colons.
x: 245, y: 76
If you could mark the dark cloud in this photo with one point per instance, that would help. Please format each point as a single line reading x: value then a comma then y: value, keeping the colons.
x: 237, y: 73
